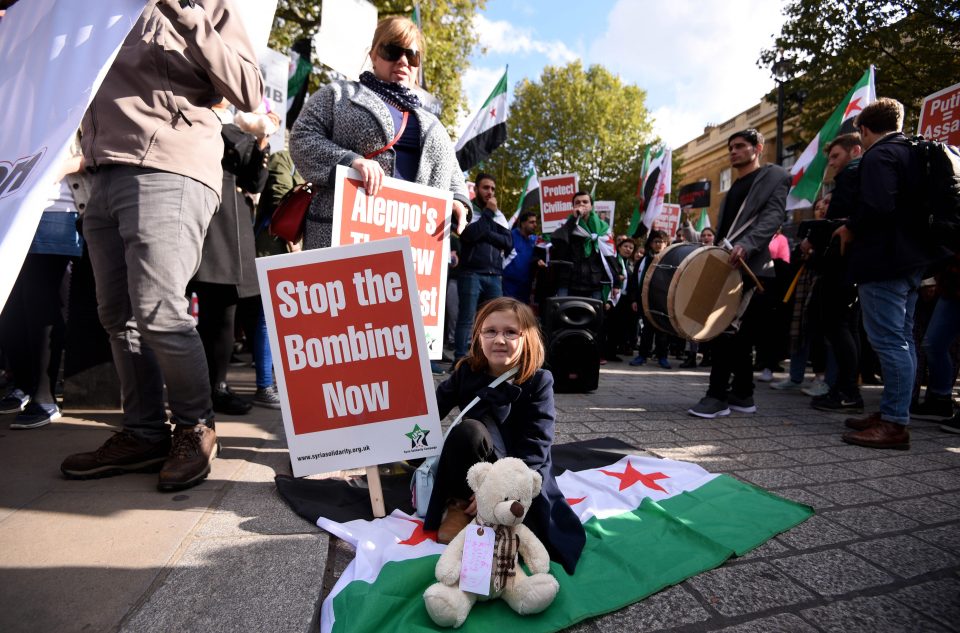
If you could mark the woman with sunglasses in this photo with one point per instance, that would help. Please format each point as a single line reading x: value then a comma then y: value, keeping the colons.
x: 377, y: 126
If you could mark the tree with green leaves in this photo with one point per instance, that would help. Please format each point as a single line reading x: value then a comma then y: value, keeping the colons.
x: 575, y: 119
x: 447, y: 28
x: 826, y: 45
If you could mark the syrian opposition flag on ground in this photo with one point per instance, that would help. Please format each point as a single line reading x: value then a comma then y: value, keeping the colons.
x: 486, y: 130
x: 530, y: 198
x: 650, y: 523
x: 808, y: 171
x: 647, y: 189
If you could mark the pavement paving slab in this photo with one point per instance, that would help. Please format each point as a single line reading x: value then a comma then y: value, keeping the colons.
x: 881, y: 554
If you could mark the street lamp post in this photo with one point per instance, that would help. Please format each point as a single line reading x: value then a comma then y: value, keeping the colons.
x: 781, y: 70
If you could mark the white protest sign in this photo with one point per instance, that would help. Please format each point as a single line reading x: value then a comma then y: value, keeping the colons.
x: 350, y: 356
x: 605, y: 210
x: 275, y: 67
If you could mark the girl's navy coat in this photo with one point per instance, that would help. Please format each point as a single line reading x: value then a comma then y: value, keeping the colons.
x: 521, y: 420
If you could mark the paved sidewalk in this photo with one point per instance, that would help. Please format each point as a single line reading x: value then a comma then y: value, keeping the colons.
x: 882, y: 553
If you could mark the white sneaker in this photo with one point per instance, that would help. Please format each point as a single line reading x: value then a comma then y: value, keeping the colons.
x: 816, y: 388
x: 765, y: 376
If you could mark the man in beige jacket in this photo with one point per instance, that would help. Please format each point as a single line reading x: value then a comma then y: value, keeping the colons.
x: 153, y: 146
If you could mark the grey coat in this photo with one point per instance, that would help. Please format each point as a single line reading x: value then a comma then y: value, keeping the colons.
x: 344, y: 121
x: 764, y: 210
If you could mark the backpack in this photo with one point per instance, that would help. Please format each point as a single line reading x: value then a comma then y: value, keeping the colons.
x: 939, y: 211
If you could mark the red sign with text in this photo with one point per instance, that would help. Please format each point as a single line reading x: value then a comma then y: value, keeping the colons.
x: 940, y: 116
x: 668, y: 221
x: 402, y: 209
x: 556, y: 200
x: 350, y: 353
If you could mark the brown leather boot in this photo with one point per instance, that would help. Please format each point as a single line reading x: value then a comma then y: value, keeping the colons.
x: 194, y: 447
x: 862, y: 424
x: 881, y: 435
x: 123, y: 452
x: 454, y: 520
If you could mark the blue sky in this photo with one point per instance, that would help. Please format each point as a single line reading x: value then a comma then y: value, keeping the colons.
x: 695, y: 58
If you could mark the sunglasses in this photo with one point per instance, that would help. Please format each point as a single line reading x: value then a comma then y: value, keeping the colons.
x: 393, y: 53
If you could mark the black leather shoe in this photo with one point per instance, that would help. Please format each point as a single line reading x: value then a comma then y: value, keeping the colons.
x: 227, y: 402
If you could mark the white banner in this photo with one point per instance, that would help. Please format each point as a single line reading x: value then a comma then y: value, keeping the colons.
x: 605, y: 210
x: 346, y: 31
x: 55, y: 55
x: 275, y: 67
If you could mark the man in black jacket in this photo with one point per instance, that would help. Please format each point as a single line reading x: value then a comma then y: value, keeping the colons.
x: 840, y: 310
x: 482, y: 246
x: 888, y: 257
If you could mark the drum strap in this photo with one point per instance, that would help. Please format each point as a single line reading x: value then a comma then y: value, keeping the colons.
x: 735, y: 234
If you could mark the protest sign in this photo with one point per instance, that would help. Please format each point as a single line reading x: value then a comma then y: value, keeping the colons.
x: 402, y: 208
x: 350, y: 356
x: 605, y: 210
x: 274, y: 68
x: 668, y: 221
x: 696, y: 195
x: 556, y: 200
x: 940, y: 116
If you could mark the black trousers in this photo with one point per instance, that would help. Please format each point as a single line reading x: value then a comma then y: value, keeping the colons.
x: 651, y: 337
x: 32, y: 326
x: 840, y: 322
x: 732, y: 357
x: 469, y: 443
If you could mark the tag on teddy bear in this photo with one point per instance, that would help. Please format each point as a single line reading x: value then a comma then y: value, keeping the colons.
x: 477, y: 562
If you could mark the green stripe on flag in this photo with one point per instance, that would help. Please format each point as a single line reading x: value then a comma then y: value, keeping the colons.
x: 626, y: 558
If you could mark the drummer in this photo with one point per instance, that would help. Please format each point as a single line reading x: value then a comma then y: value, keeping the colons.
x: 750, y: 214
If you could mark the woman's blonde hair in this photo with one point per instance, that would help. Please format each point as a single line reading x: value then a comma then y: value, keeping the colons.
x: 532, y: 352
x: 397, y: 30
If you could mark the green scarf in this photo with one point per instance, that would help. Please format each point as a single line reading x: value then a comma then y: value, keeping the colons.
x: 595, y: 226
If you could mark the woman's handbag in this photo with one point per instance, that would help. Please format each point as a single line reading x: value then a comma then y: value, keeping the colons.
x: 421, y: 485
x: 290, y: 216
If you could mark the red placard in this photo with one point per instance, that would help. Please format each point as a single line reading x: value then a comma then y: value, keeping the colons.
x: 556, y: 200
x: 350, y: 355
x: 668, y: 221
x: 408, y: 209
x: 940, y: 116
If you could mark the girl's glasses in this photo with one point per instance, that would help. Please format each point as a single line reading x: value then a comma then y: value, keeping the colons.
x: 491, y: 333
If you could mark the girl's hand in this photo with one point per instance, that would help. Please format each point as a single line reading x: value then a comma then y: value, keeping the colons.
x: 472, y: 508
x: 372, y: 174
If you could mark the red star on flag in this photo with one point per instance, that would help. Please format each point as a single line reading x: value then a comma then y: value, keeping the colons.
x: 631, y: 476
x: 852, y: 107
x: 419, y: 535
x: 575, y: 501
x: 797, y: 177
x: 493, y: 112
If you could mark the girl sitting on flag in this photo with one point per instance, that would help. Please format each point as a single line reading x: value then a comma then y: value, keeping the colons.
x: 514, y: 419
x: 377, y: 126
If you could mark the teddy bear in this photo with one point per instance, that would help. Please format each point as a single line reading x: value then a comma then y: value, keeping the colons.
x: 503, y: 491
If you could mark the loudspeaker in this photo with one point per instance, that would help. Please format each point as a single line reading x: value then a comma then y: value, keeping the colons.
x: 571, y: 327
x: 572, y: 313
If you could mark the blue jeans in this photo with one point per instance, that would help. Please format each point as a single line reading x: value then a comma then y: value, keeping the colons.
x: 472, y: 290
x: 944, y: 327
x: 888, y: 320
x: 262, y: 357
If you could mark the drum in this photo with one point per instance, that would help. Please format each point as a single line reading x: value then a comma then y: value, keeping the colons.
x: 691, y: 291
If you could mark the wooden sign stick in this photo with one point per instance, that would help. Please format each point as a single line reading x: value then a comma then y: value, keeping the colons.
x: 376, y: 492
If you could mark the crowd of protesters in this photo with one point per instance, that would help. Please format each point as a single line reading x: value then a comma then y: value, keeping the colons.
x: 164, y: 216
